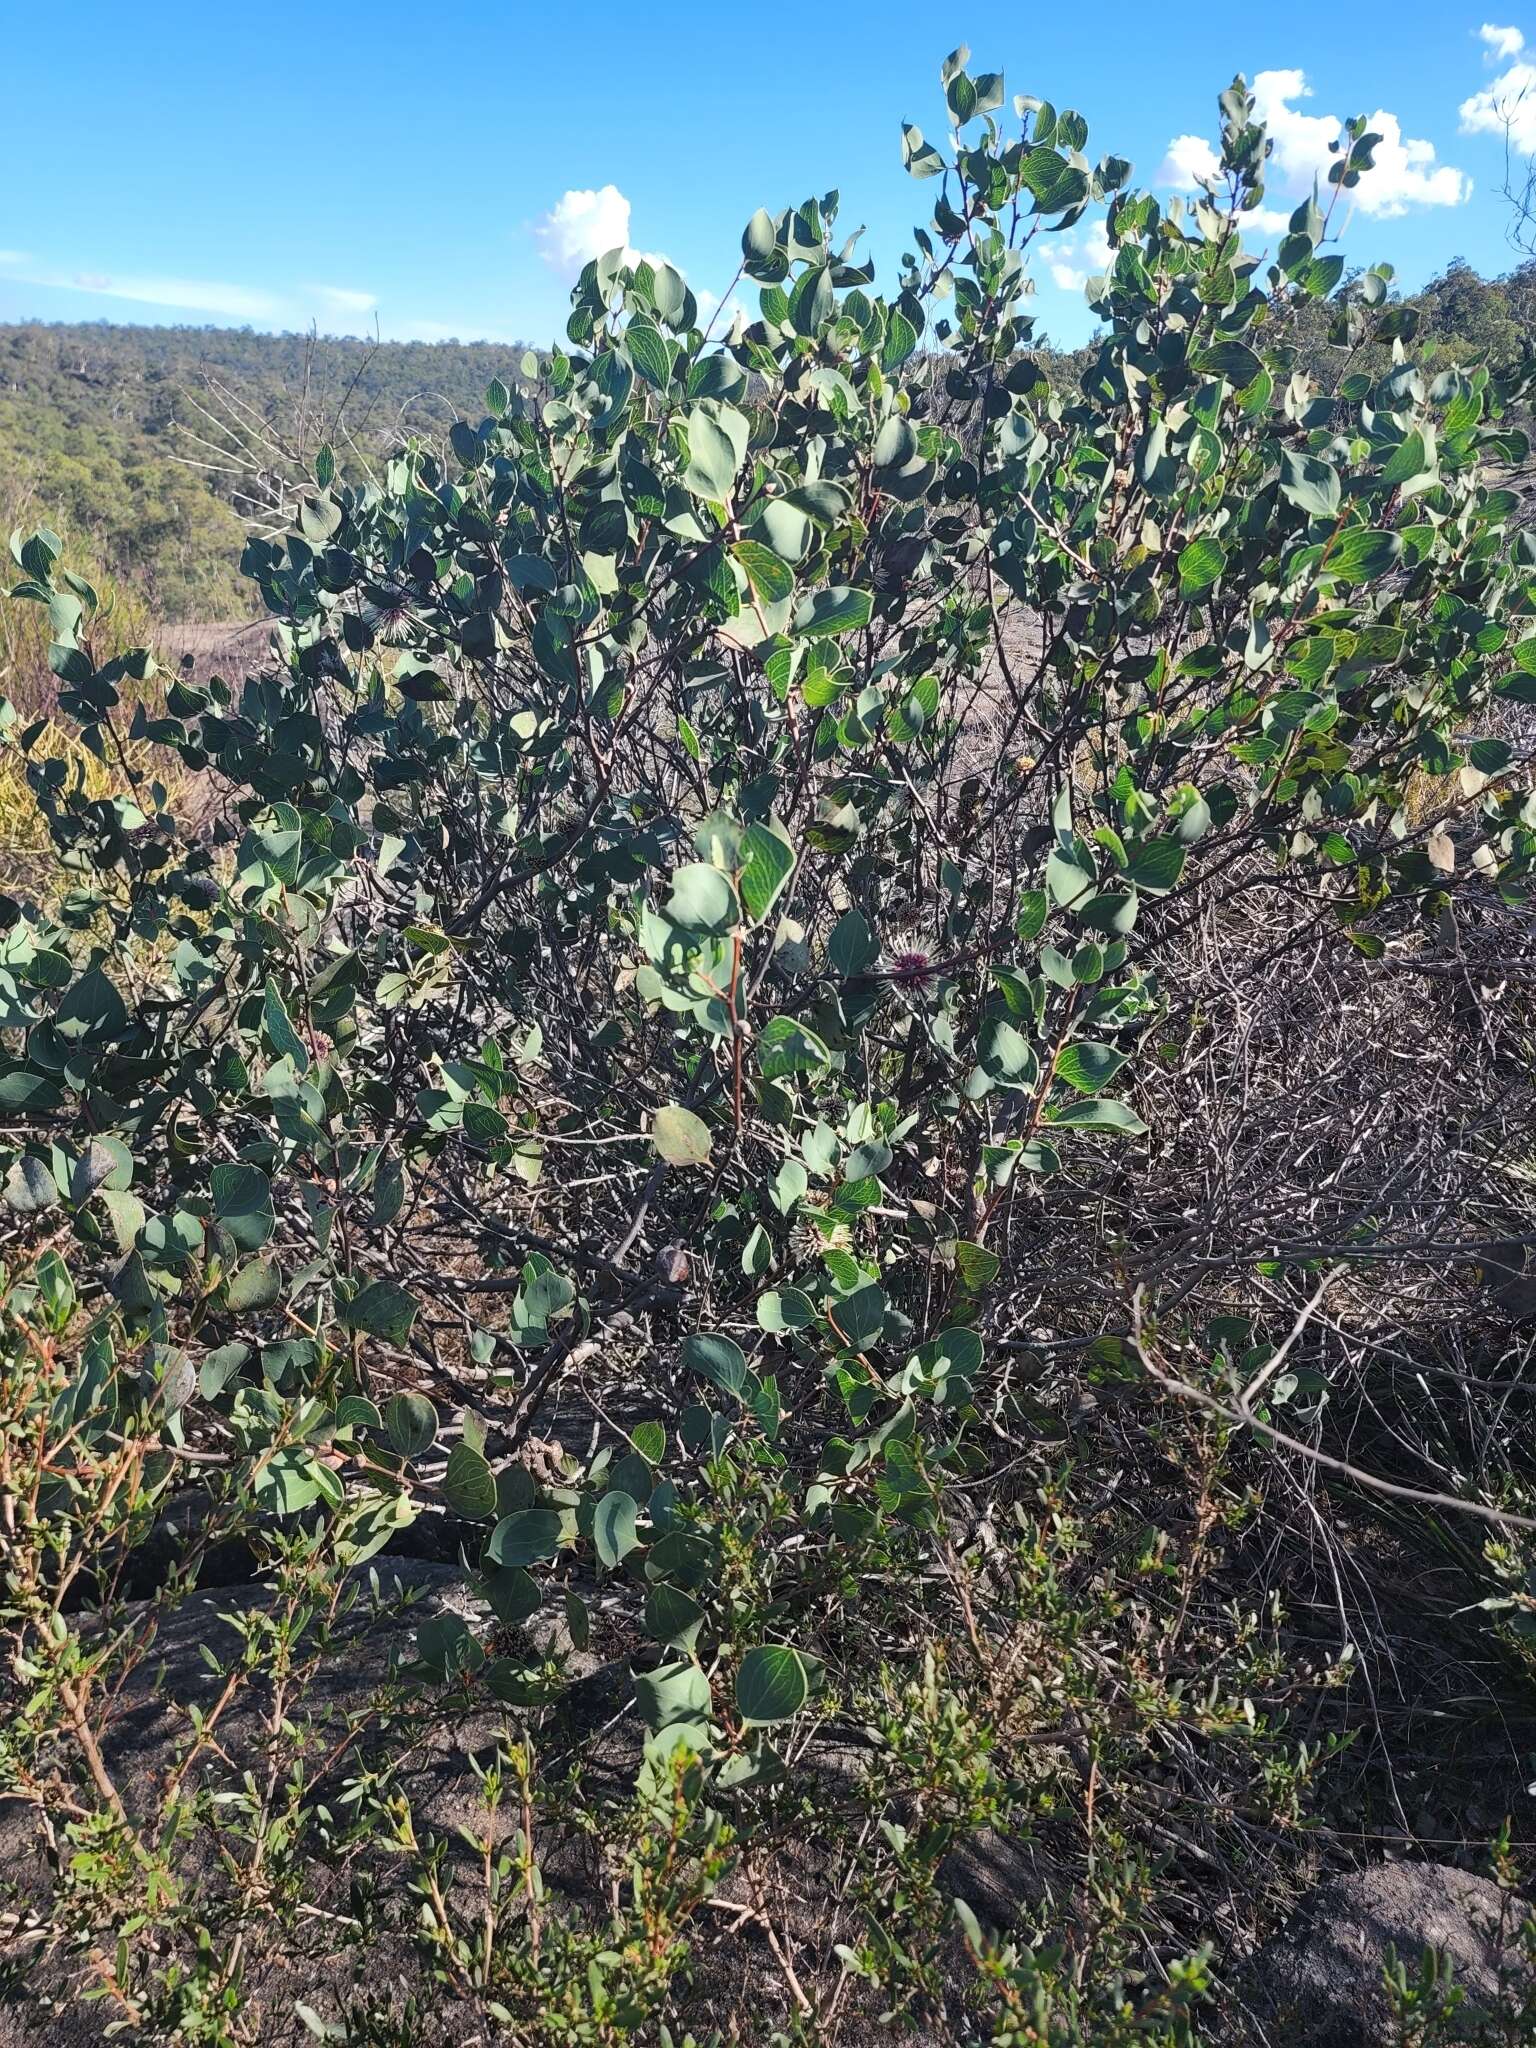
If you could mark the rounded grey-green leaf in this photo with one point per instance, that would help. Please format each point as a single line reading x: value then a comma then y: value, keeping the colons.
x: 895, y: 443
x: 469, y: 1485
x: 528, y: 1536
x: 833, y: 610
x: 717, y: 1358
x: 30, y: 1187
x: 613, y: 1528
x: 1112, y: 913
x: 785, y: 1308
x: 680, y: 1137
x: 242, y: 1202
x: 671, y: 1615
x: 772, y: 1684
x: 1087, y: 1066
x: 382, y: 1309
x: 759, y: 238
x: 105, y: 1163
x: 702, y: 899
x: 255, y: 1286
x: 410, y: 1422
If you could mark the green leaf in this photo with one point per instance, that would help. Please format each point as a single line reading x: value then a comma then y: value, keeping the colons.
x: 900, y: 341
x: 613, y: 1528
x: 717, y: 443
x: 1408, y: 460
x: 410, y: 1422
x: 1086, y: 1066
x: 1310, y: 483
x: 702, y: 899
x: 650, y: 1440
x: 1233, y: 360
x: 674, y: 1703
x: 649, y: 353
x: 105, y: 1163
x: 1362, y: 554
x: 718, y: 1359
x: 768, y: 862
x: 859, y: 1317
x: 1112, y: 913
x: 383, y: 1309
x: 281, y: 1036
x: 977, y: 1266
x: 1099, y: 1114
x: 822, y: 500
x: 757, y: 1253
x: 1200, y: 564
x: 786, y: 1047
x: 921, y: 159
x: 759, y: 238
x: 469, y: 1485
x: 772, y: 1684
x: 1157, y: 866
x: 256, y: 1286
x: 672, y: 1616
x: 29, y: 1187
x: 528, y: 1536
x: 680, y: 1137
x: 832, y: 611
x: 895, y: 444
x: 770, y: 576
x: 512, y: 1592
x: 785, y: 1308
x: 24, y: 1090
x: 242, y: 1202
x: 853, y: 948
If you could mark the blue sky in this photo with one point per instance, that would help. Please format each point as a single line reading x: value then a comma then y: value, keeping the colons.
x: 443, y: 170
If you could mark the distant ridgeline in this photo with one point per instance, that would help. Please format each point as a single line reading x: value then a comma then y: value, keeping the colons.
x: 150, y: 447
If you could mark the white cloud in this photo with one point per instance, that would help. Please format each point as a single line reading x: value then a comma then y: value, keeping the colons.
x: 1404, y: 173
x: 1301, y: 140
x: 1505, y: 108
x: 340, y: 300
x: 1191, y: 164
x: 234, y: 301
x: 1501, y: 42
x: 338, y: 307
x: 1073, y: 258
x: 583, y: 225
x: 1190, y: 159
x: 1264, y: 220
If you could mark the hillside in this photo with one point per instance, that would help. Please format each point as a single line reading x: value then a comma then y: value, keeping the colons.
x: 148, y: 443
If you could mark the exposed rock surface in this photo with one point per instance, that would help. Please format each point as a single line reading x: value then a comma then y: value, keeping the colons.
x: 1319, y: 1983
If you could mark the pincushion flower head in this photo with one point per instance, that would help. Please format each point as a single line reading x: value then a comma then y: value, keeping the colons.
x: 387, y: 615
x: 911, y: 967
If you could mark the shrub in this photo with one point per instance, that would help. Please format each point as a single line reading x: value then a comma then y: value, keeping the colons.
x: 703, y: 860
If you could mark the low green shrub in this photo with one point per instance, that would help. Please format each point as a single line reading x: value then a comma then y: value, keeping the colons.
x: 699, y: 862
